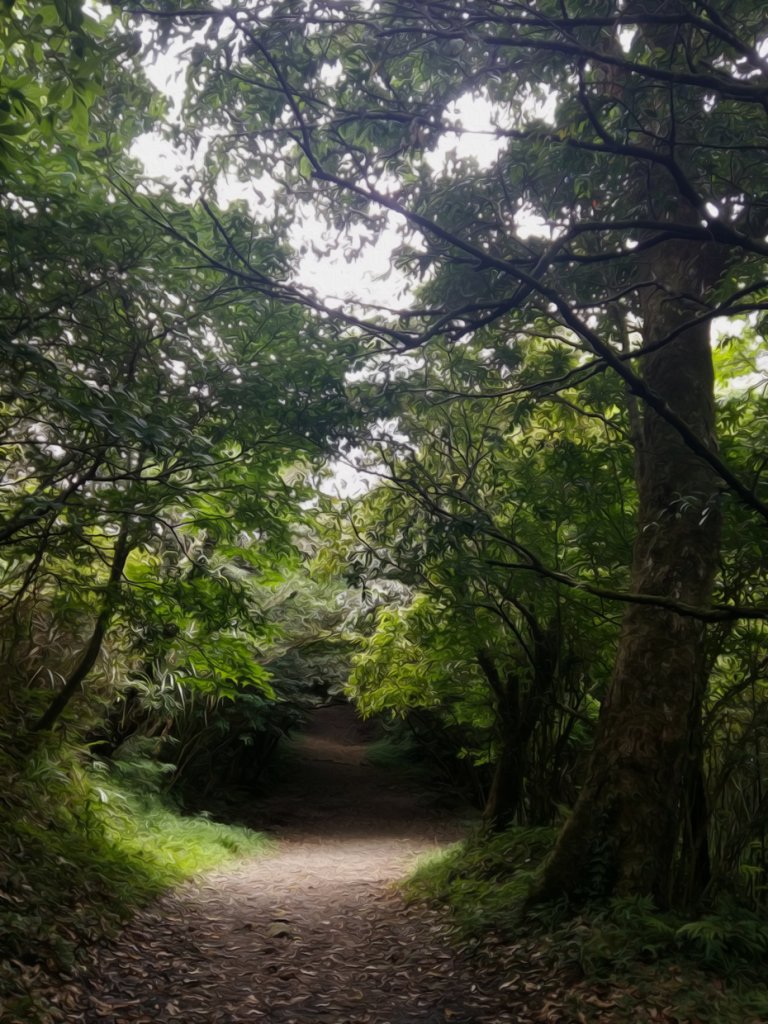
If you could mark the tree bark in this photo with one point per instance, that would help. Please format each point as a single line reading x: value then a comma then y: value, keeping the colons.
x: 622, y: 835
x: 517, y: 719
x: 694, y: 868
x: 93, y: 648
x: 506, y: 792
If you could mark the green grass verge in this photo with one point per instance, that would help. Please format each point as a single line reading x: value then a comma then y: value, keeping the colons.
x: 483, y: 880
x: 621, y: 962
x: 81, y: 850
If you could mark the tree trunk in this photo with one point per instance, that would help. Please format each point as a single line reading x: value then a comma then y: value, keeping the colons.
x: 694, y: 869
x: 506, y: 792
x: 93, y: 648
x: 517, y: 719
x: 622, y: 835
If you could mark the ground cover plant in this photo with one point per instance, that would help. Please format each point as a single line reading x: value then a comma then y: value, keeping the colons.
x: 625, y: 960
x: 81, y: 853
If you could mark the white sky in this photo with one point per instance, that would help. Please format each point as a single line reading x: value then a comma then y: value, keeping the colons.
x: 332, y: 277
x: 370, y: 278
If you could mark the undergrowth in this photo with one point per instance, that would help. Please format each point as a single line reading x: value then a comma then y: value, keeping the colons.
x: 82, y: 848
x: 400, y: 755
x: 711, y: 969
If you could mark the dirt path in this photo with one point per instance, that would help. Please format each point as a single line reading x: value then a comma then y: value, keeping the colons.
x: 313, y: 933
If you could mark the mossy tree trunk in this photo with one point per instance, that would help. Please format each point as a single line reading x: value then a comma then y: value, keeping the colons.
x: 622, y: 835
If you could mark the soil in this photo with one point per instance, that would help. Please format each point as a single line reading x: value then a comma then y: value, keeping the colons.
x: 314, y: 933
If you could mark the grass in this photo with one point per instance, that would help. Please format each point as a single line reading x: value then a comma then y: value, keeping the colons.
x: 82, y: 849
x: 624, y: 962
x: 484, y: 880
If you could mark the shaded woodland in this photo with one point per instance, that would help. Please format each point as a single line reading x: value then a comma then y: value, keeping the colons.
x: 547, y: 585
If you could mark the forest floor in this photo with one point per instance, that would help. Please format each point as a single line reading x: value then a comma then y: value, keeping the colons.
x: 317, y: 933
x: 314, y: 933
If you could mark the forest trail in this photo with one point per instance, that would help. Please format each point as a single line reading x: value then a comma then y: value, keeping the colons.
x: 313, y: 934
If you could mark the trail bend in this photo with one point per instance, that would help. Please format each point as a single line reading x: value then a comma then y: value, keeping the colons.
x: 312, y: 934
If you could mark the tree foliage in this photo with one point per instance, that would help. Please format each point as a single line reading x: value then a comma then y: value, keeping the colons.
x: 563, y: 411
x: 159, y: 426
x: 631, y: 134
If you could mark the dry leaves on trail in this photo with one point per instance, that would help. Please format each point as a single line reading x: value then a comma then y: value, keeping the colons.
x: 315, y: 934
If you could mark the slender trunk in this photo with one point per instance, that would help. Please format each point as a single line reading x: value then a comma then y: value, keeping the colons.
x: 93, y: 648
x: 694, y: 870
x: 535, y: 714
x: 506, y: 792
x: 622, y: 835
x: 517, y: 719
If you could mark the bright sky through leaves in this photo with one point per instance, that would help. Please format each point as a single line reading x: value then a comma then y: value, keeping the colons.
x: 368, y: 277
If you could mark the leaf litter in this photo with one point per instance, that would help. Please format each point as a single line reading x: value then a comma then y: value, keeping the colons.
x: 316, y: 933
